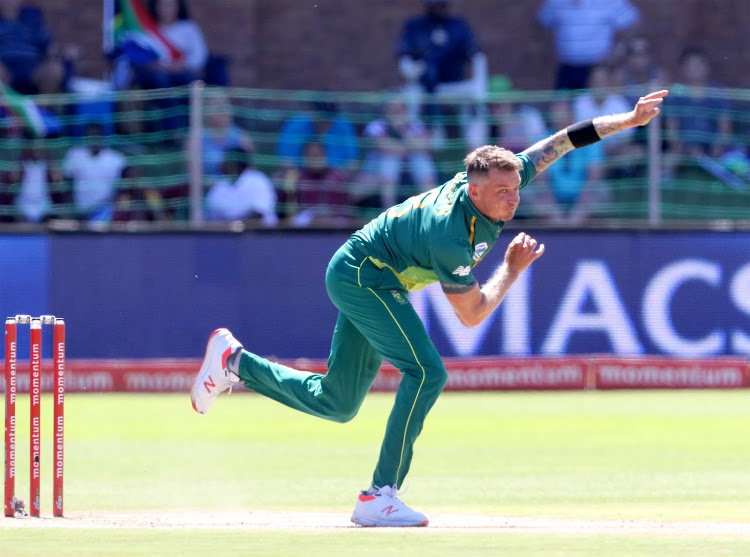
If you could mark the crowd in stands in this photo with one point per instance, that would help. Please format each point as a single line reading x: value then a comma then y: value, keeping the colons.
x: 327, y: 165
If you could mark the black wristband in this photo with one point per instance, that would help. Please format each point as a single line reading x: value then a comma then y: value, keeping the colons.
x: 582, y: 133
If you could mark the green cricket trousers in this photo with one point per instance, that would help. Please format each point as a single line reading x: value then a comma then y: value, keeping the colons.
x: 375, y: 321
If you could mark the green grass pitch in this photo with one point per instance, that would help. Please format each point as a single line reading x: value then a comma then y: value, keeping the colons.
x: 648, y: 458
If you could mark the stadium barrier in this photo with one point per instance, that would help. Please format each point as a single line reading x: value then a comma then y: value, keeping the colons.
x: 464, y: 374
x: 683, y: 294
x: 688, y: 168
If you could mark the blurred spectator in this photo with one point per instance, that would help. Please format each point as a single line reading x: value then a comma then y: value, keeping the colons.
x: 175, y: 57
x: 95, y: 171
x: 737, y: 162
x: 11, y: 131
x: 185, y: 36
x: 602, y: 98
x: 513, y: 125
x: 7, y: 210
x: 433, y: 51
x: 435, y: 47
x: 516, y: 125
x: 639, y: 72
x: 130, y: 128
x: 140, y: 197
x: 699, y: 121
x: 24, y: 40
x: 243, y: 193
x: 56, y: 73
x: 400, y: 155
x: 220, y: 134
x: 575, y: 181
x: 585, y: 32
x: 40, y: 182
x: 34, y: 64
x: 32, y: 185
x: 135, y: 202
x: 314, y: 192
x: 326, y: 125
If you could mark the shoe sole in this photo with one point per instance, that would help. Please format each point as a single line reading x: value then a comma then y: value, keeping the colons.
x: 203, y: 369
x: 390, y: 525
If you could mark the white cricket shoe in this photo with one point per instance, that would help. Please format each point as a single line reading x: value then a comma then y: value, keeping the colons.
x: 384, y: 508
x: 214, y: 377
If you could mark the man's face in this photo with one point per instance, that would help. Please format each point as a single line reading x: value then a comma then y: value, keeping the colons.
x: 10, y: 6
x: 498, y: 194
x: 437, y: 9
x: 315, y: 157
x: 231, y: 168
x: 34, y: 151
x: 639, y: 54
x: 218, y: 113
x: 167, y: 11
x: 397, y: 113
x: 695, y: 70
x: 561, y: 114
x: 95, y: 137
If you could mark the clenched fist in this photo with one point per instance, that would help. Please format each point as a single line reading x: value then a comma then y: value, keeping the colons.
x: 522, y: 252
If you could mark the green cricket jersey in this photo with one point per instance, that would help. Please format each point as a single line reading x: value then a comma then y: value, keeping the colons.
x: 438, y: 235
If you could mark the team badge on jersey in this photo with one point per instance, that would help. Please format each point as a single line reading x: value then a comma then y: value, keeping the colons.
x: 398, y: 297
x: 479, y: 250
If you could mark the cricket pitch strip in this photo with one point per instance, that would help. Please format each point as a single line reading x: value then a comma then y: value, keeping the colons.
x: 313, y: 520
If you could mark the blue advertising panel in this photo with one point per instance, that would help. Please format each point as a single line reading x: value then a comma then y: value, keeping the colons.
x: 626, y: 293
x: 161, y: 295
x: 24, y: 271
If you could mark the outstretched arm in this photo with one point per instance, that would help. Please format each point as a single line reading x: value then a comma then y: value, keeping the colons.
x: 547, y: 151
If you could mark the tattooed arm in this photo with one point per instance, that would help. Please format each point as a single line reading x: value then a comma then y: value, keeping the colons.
x: 547, y: 151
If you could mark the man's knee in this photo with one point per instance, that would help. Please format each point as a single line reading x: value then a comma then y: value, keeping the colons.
x: 345, y: 412
x: 429, y: 374
x: 341, y: 407
x: 437, y: 377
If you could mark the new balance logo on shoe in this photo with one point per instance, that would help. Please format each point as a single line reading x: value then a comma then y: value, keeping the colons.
x: 371, y: 511
x: 209, y: 384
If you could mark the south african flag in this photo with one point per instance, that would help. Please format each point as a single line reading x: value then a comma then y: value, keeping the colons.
x: 23, y: 107
x: 130, y: 29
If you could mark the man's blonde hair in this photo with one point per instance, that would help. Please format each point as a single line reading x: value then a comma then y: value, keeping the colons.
x: 481, y: 159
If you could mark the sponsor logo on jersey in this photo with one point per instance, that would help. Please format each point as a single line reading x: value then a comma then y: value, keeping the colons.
x: 462, y: 271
